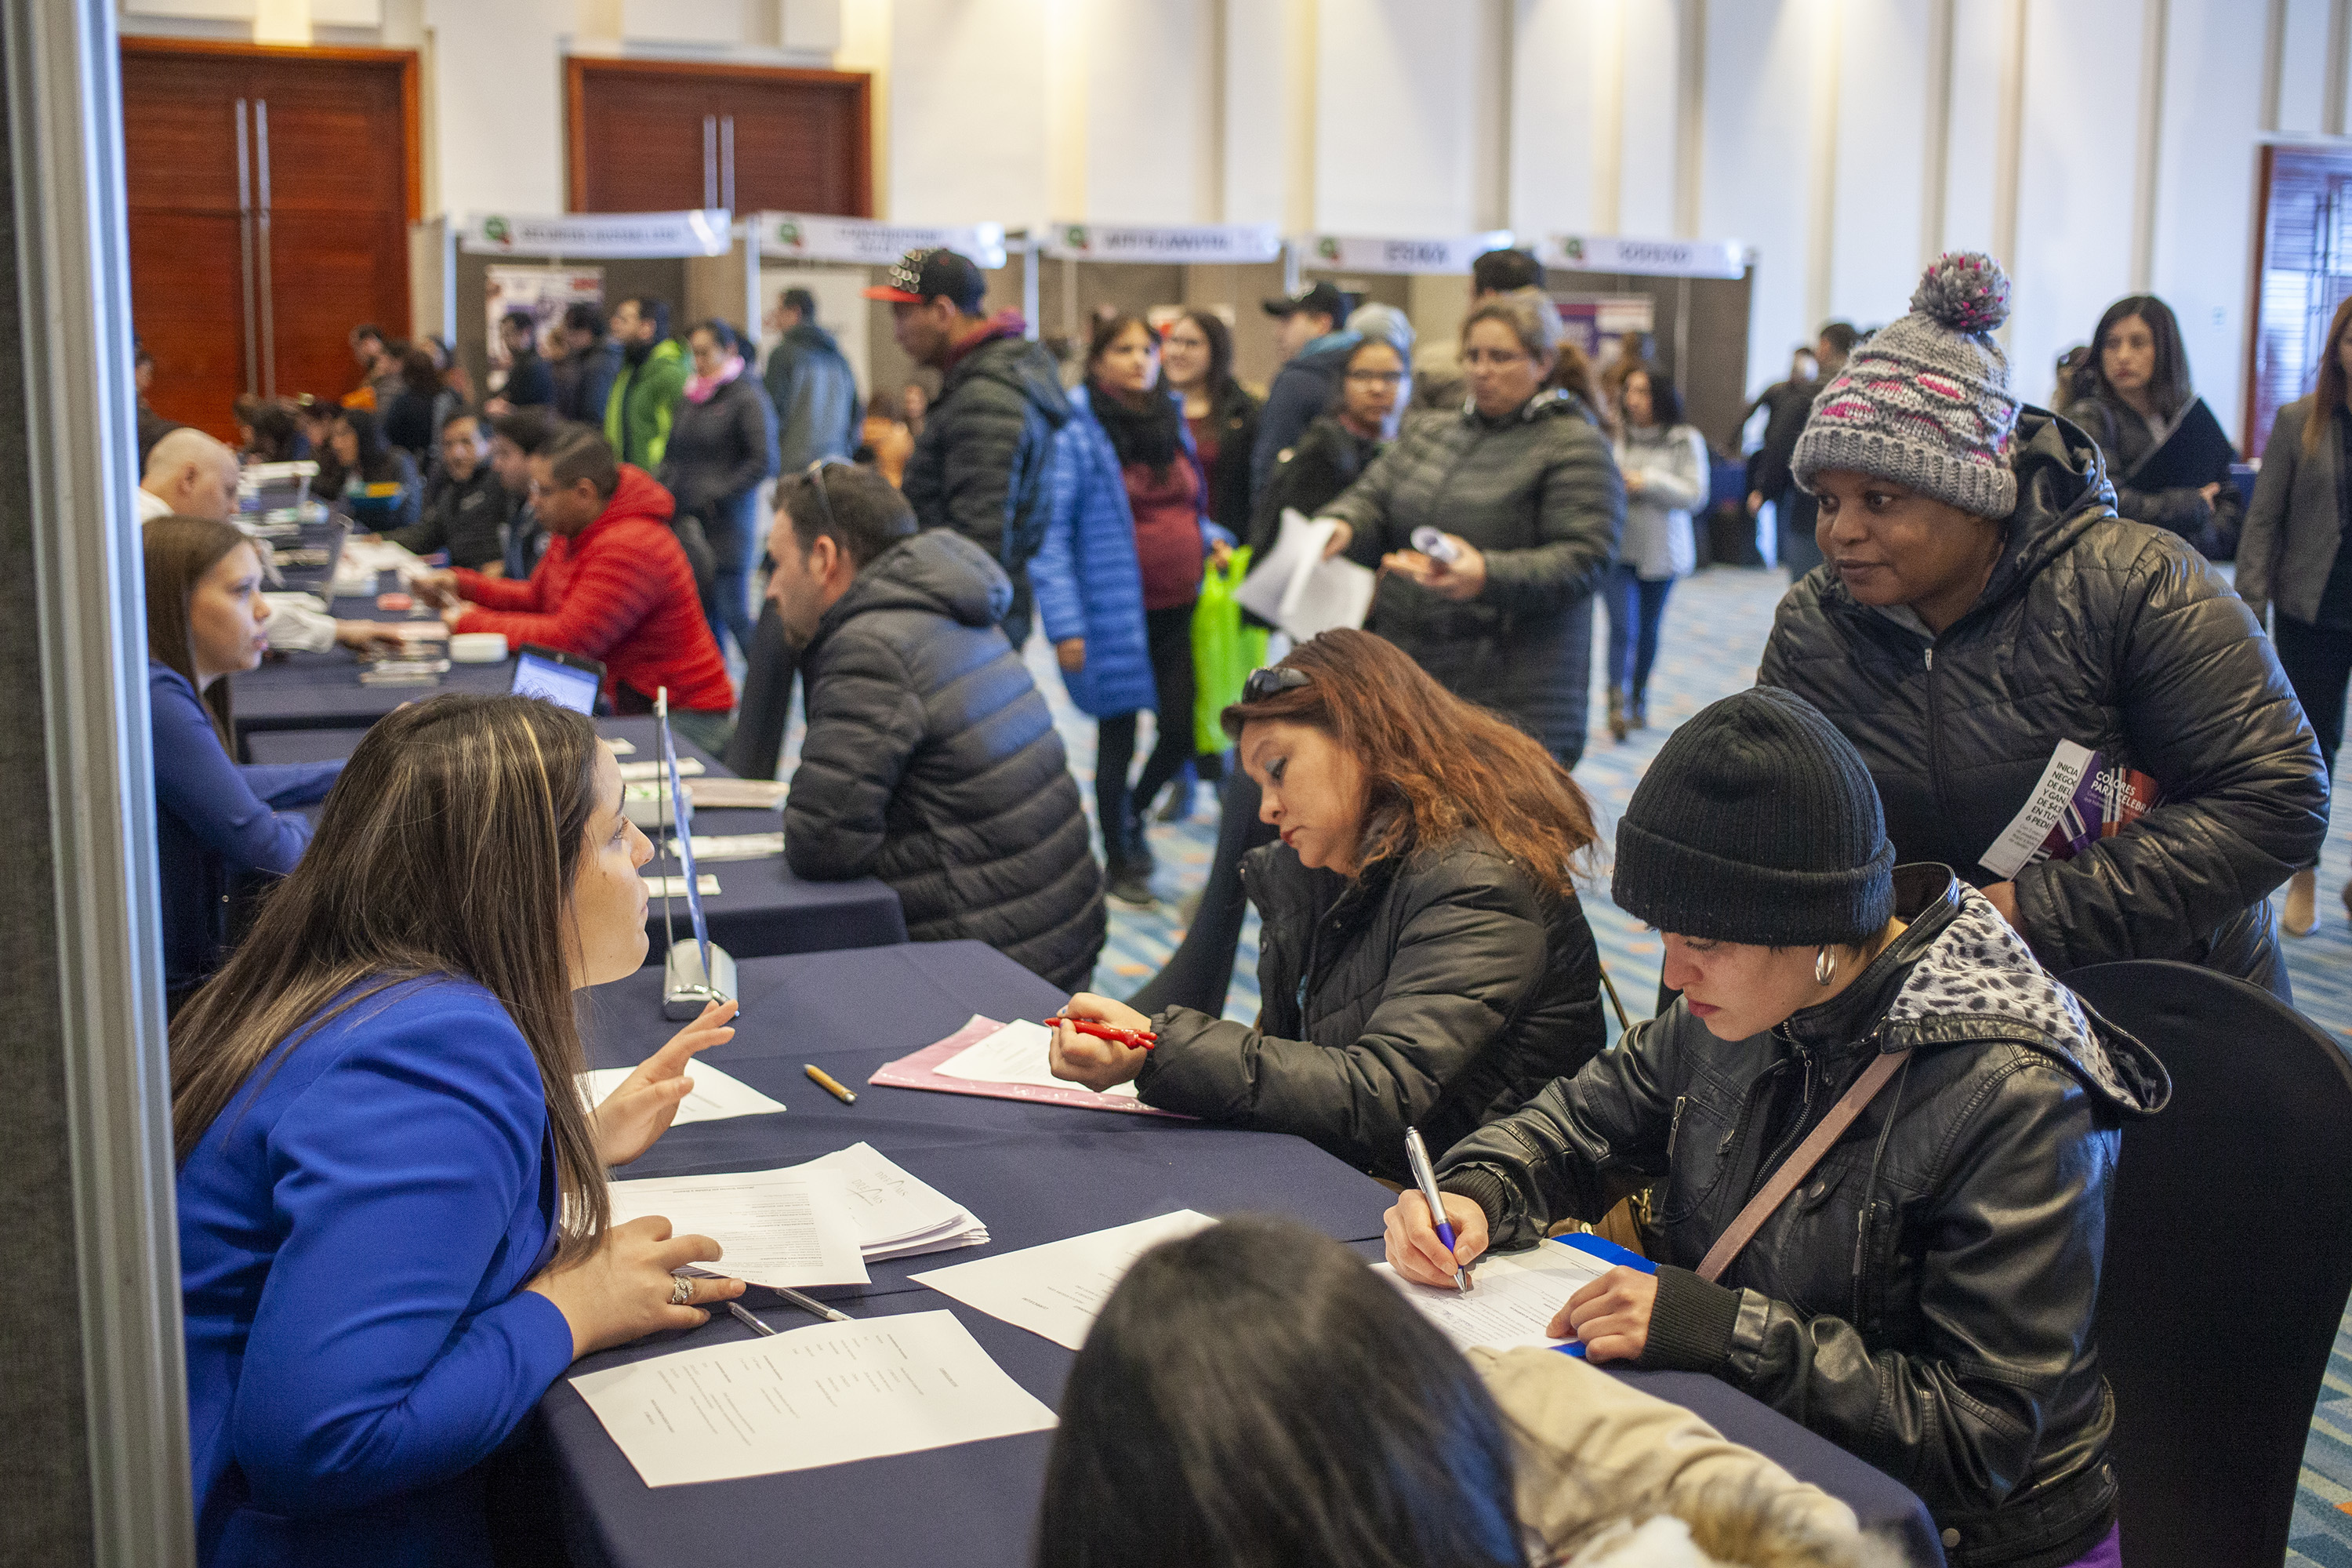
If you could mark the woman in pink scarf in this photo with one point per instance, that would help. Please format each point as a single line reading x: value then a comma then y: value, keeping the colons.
x: 723, y: 447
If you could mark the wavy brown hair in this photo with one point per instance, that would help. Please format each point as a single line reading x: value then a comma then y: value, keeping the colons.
x: 1435, y: 767
x: 446, y: 850
x: 2327, y: 393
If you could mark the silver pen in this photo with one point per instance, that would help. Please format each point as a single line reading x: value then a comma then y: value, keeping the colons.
x: 811, y: 1304
x: 1416, y: 1156
x: 749, y: 1322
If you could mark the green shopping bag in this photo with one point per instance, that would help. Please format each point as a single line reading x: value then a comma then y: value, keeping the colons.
x: 1223, y: 651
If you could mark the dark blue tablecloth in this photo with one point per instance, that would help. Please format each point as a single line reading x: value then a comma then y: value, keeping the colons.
x: 760, y: 911
x: 323, y: 690
x: 1033, y: 1173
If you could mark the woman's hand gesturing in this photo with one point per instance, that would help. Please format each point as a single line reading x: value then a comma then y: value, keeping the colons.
x: 641, y: 1109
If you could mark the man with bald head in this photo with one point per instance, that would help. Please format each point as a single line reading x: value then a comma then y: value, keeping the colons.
x: 190, y: 473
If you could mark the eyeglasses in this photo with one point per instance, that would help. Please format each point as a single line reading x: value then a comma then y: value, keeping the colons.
x: 815, y: 475
x: 1272, y: 682
x: 1376, y: 377
x: 1498, y: 358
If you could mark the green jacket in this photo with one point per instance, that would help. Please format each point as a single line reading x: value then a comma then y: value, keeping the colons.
x: 643, y: 403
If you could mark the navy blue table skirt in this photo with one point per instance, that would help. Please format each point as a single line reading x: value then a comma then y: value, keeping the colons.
x: 1032, y: 1173
x: 762, y: 910
x: 323, y: 690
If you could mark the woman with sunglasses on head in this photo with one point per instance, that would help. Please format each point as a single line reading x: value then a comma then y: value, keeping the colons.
x: 1885, y: 1139
x: 1424, y: 959
x: 394, y: 1228
x: 1520, y: 484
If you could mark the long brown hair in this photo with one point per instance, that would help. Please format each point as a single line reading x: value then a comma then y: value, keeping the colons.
x: 1434, y: 766
x: 447, y: 849
x: 179, y: 550
x: 2328, y: 394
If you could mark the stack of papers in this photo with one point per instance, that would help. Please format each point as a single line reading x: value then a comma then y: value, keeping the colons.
x: 897, y: 1214
x: 776, y: 1228
x: 652, y: 768
x: 732, y: 845
x: 808, y: 1398
x: 705, y: 884
x: 715, y: 1097
x: 355, y: 575
x: 1512, y: 1299
x: 1057, y: 1290
x: 1297, y: 590
x: 754, y: 795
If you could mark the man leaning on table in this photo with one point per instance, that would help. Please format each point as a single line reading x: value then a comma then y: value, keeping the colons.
x: 931, y: 762
x: 614, y: 587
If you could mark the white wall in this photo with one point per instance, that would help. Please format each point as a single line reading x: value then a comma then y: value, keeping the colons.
x: 1819, y: 134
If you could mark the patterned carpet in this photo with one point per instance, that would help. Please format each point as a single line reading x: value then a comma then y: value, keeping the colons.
x: 1716, y: 628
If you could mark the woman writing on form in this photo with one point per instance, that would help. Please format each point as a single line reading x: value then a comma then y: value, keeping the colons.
x: 1424, y: 961
x: 393, y: 1230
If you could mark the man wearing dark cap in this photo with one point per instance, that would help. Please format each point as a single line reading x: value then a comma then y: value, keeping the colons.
x: 1316, y: 344
x: 981, y: 464
x: 811, y: 383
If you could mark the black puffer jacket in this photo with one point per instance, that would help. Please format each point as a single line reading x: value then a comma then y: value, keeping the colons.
x: 2116, y: 636
x: 1436, y: 993
x: 1924, y: 1298
x: 931, y: 762
x: 982, y: 465
x: 1540, y: 493
x: 718, y: 453
x: 2130, y: 448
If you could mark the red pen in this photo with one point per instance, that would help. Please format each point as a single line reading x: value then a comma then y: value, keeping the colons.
x: 1133, y: 1039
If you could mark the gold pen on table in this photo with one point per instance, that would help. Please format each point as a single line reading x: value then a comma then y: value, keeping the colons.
x: 825, y: 1080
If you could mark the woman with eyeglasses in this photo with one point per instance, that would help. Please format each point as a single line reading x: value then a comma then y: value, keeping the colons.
x: 1338, y: 446
x: 1424, y: 961
x: 1521, y: 486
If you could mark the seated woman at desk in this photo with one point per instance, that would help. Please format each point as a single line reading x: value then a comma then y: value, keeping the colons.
x: 394, y: 1228
x: 1424, y: 961
x: 215, y: 819
x: 380, y: 486
x: 1921, y: 1292
x: 1253, y: 1393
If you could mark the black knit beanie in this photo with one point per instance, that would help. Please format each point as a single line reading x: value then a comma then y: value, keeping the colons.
x: 1757, y: 824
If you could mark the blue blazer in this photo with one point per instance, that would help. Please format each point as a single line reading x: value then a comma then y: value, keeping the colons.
x: 355, y: 1231
x: 1085, y: 575
x: 214, y: 821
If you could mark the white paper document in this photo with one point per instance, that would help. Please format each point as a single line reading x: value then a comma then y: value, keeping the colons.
x: 1016, y: 1053
x: 744, y: 794
x: 2053, y: 793
x: 1512, y: 1298
x: 1056, y: 1289
x: 897, y: 1214
x: 776, y: 1228
x: 705, y: 884
x: 621, y: 748
x: 808, y: 1398
x: 732, y: 845
x: 715, y: 1097
x: 654, y: 768
x: 1299, y: 590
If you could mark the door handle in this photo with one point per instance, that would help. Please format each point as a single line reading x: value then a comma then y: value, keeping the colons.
x: 709, y: 159
x: 268, y: 300
x: 245, y: 246
x: 727, y: 162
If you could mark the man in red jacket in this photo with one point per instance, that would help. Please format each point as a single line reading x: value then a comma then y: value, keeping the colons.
x: 613, y: 585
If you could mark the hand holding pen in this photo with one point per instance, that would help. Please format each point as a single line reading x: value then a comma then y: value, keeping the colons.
x: 1099, y: 1043
x: 1433, y: 1237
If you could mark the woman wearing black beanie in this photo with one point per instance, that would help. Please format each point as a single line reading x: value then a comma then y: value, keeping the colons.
x: 1886, y: 1135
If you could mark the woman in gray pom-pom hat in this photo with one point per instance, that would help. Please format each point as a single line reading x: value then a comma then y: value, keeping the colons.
x: 1990, y: 634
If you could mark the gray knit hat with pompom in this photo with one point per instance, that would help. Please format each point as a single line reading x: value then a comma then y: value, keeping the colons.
x: 1925, y: 401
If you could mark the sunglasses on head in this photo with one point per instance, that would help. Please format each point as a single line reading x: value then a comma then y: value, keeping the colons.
x: 1271, y: 681
x: 815, y: 475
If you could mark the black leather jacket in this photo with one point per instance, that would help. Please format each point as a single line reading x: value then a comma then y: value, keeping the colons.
x: 1924, y: 1298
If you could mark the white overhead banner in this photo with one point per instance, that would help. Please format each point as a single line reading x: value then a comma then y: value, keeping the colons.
x: 1225, y: 244
x: 1653, y: 257
x: 706, y: 232
x: 816, y: 236
x: 1364, y: 253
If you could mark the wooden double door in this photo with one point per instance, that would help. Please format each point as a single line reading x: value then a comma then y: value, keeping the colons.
x: 657, y: 136
x: 269, y: 195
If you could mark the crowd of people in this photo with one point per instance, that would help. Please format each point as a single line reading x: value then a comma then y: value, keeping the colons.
x: 1987, y: 582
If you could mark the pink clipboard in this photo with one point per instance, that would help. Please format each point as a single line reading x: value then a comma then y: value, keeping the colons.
x: 917, y: 1073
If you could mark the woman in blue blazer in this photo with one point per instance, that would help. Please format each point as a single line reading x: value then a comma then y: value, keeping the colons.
x: 215, y: 820
x: 393, y: 1227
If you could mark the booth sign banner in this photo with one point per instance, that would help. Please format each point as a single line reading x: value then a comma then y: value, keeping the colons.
x: 706, y: 232
x: 1652, y: 257
x: 1225, y: 244
x: 1362, y: 253
x: 813, y: 236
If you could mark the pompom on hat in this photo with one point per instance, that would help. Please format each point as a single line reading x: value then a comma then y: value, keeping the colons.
x: 1925, y: 401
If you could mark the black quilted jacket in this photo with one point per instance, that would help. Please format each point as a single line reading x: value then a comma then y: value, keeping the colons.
x: 931, y: 762
x: 2115, y: 635
x: 1438, y: 994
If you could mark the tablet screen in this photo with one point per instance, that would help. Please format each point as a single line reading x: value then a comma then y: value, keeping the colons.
x: 536, y: 676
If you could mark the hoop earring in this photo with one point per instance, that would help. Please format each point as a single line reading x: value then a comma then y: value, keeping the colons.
x: 1825, y: 966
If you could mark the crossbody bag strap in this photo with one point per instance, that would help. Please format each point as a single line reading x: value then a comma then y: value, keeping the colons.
x: 1800, y: 1164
